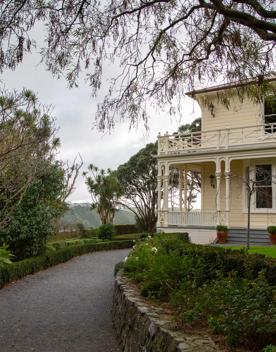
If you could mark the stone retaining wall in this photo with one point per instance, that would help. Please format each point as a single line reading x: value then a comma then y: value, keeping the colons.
x: 141, y: 327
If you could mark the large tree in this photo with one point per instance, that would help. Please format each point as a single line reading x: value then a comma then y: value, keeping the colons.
x: 163, y: 46
x: 27, y: 136
x: 33, y: 185
x: 138, y: 178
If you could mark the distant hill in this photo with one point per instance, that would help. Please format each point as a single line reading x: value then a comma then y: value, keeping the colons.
x: 81, y: 213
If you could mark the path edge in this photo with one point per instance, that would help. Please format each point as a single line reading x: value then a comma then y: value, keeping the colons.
x: 141, y: 327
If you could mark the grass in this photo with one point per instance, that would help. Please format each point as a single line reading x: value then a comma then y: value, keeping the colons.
x: 267, y: 251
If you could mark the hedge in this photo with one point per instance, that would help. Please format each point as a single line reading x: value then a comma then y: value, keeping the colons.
x: 17, y: 270
x: 125, y: 229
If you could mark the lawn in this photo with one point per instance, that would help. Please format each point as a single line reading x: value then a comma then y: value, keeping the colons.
x: 268, y: 251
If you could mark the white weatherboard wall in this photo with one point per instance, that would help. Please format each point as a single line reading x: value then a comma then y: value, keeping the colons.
x: 238, y: 114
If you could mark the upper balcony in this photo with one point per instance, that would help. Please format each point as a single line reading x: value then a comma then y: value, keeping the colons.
x: 223, y: 139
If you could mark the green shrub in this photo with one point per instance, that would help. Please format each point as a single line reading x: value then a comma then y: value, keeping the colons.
x: 125, y: 229
x: 92, y: 233
x: 222, y: 228
x: 270, y: 348
x: 271, y: 229
x: 81, y: 229
x: 231, y: 291
x: 28, y: 266
x: 106, y: 231
x: 5, y: 255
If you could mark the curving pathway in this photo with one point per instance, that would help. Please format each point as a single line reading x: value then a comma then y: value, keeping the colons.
x: 64, y: 308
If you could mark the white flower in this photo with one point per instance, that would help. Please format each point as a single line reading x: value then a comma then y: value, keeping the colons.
x: 154, y: 250
x: 149, y: 237
x: 134, y: 246
x: 126, y: 258
x: 133, y: 241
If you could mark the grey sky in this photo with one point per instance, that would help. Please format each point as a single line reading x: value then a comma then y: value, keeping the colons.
x: 74, y: 110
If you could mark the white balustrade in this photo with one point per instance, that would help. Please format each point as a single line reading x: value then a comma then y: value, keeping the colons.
x: 206, y: 218
x: 217, y: 139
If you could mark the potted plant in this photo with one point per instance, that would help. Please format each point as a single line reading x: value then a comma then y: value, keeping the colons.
x: 272, y: 232
x: 222, y: 232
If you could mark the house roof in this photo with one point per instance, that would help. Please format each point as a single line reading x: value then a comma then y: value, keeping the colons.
x: 228, y: 86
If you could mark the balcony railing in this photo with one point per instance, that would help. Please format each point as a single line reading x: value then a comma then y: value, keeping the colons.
x: 196, y: 218
x: 217, y: 139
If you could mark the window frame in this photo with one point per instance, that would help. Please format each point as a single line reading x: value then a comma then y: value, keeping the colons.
x: 270, y: 115
x: 252, y: 172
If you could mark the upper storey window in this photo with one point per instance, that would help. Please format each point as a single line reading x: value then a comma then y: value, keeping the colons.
x: 270, y: 109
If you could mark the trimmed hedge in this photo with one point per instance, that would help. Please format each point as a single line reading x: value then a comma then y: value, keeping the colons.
x: 17, y: 270
x: 125, y: 229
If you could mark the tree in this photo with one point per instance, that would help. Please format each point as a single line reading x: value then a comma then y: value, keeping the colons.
x: 163, y: 46
x: 27, y: 136
x: 138, y: 178
x: 33, y: 185
x: 194, y: 126
x: 31, y: 223
x: 105, y: 191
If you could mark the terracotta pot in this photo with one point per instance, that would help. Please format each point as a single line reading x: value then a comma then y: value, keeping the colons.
x: 273, y: 238
x: 222, y: 237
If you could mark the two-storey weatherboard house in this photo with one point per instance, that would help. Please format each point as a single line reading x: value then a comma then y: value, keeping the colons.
x: 234, y: 142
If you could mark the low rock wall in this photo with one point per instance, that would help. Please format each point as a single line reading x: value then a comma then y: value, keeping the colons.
x: 141, y: 327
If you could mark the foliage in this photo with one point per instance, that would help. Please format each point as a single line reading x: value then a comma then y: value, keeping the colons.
x: 270, y: 348
x: 31, y: 223
x: 163, y: 46
x: 33, y: 186
x: 26, y: 138
x: 5, y: 255
x: 192, y: 127
x: 17, y: 270
x: 81, y: 229
x: 222, y: 228
x: 125, y: 229
x: 138, y: 179
x: 271, y: 229
x: 106, y: 231
x: 269, y: 251
x: 105, y: 191
x: 230, y: 291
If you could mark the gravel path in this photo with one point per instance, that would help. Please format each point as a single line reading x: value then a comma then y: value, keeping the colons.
x: 64, y: 308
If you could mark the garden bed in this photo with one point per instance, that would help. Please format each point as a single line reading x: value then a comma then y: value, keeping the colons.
x: 226, y: 292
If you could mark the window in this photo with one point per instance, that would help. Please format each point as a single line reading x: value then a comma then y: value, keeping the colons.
x: 270, y: 113
x: 263, y: 179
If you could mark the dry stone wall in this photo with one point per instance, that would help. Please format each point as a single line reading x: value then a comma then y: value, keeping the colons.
x: 141, y: 327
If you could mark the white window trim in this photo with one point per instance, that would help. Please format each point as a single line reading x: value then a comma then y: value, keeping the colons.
x: 252, y: 168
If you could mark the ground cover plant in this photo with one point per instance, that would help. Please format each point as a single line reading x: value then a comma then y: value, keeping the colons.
x: 228, y: 291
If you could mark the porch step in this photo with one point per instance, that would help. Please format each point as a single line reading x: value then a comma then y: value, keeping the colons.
x: 257, y: 236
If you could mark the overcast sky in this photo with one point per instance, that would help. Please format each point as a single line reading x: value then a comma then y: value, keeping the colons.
x: 74, y: 111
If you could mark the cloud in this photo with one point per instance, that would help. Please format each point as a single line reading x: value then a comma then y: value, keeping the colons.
x: 75, y: 109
